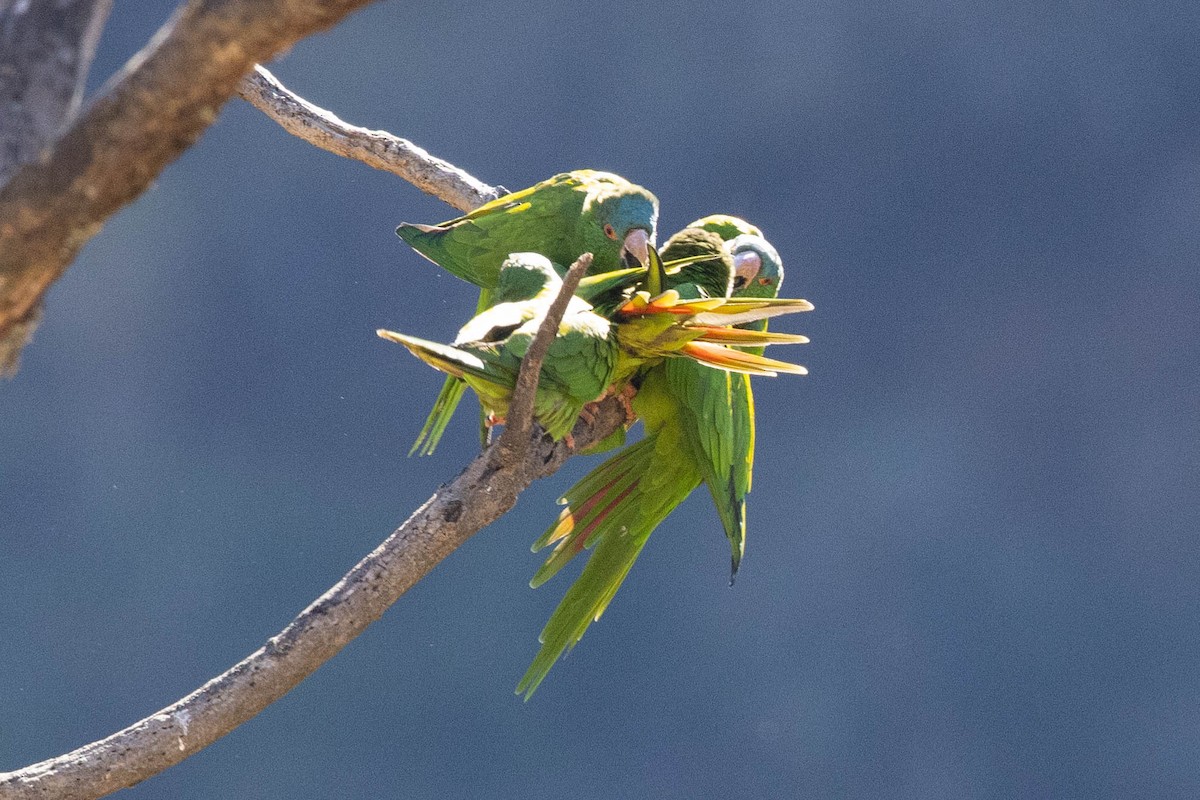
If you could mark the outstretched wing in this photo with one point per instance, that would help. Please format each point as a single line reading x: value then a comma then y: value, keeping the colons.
x: 613, y: 510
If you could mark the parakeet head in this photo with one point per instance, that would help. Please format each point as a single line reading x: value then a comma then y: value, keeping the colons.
x: 715, y: 275
x: 757, y: 267
x: 523, y: 276
x: 620, y: 220
x: 725, y: 226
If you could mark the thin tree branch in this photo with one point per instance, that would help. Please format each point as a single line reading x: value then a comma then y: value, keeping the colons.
x: 378, y: 149
x: 152, y: 111
x: 514, y: 442
x: 486, y: 489
x: 45, y: 52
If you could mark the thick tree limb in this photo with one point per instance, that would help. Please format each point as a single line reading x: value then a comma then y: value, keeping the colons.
x: 378, y: 149
x: 45, y: 51
x: 486, y: 489
x: 152, y: 111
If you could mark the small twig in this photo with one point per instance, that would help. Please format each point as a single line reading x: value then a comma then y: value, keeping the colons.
x: 519, y: 420
x: 378, y: 149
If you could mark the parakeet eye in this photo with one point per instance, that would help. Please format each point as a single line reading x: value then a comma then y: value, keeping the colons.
x: 765, y: 281
x: 610, y: 232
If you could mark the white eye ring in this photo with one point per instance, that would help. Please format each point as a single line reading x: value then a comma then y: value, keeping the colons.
x: 746, y: 265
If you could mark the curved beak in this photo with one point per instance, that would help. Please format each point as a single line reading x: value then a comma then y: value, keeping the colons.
x: 746, y: 265
x: 635, y: 252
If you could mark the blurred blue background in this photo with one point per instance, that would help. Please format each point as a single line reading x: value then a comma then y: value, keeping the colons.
x: 973, y: 559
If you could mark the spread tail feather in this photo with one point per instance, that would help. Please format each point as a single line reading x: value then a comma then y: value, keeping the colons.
x: 448, y: 398
x: 448, y: 359
x: 439, y: 417
x: 727, y: 358
x: 583, y: 604
x: 718, y: 311
x: 740, y: 310
x: 743, y: 337
x: 589, y: 505
x: 612, y: 510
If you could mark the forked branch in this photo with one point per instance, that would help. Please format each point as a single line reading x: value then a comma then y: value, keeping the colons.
x: 150, y: 112
x: 485, y: 490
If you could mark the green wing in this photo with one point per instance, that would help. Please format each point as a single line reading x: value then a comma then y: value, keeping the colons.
x: 447, y: 401
x: 523, y: 278
x: 474, y: 245
x: 577, y: 369
x: 439, y: 416
x: 582, y: 358
x: 716, y: 423
x: 563, y: 179
x: 480, y: 365
x: 726, y: 450
x: 473, y: 249
x: 612, y: 510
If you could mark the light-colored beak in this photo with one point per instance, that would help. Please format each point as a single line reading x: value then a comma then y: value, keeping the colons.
x: 746, y: 265
x: 637, y: 245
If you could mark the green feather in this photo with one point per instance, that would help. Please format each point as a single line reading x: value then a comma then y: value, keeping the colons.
x: 699, y: 429
x: 561, y: 217
x: 447, y: 401
x: 622, y: 508
x: 487, y: 353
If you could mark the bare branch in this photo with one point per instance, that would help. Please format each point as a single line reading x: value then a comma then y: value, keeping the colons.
x: 378, y: 149
x: 483, y: 492
x: 45, y: 51
x: 153, y: 110
x: 515, y: 439
x: 486, y: 489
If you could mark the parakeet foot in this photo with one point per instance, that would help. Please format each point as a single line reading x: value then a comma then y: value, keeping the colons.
x: 587, y: 414
x: 625, y: 397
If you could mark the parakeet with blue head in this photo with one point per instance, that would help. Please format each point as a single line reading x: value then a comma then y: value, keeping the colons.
x: 699, y: 429
x: 583, y: 211
x: 589, y: 353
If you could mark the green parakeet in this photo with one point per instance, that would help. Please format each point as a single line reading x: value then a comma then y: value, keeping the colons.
x: 583, y: 211
x: 577, y: 212
x: 699, y: 429
x: 486, y: 355
x: 589, y: 352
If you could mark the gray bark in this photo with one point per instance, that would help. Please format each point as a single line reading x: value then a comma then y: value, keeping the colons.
x: 153, y: 110
x: 45, y: 51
